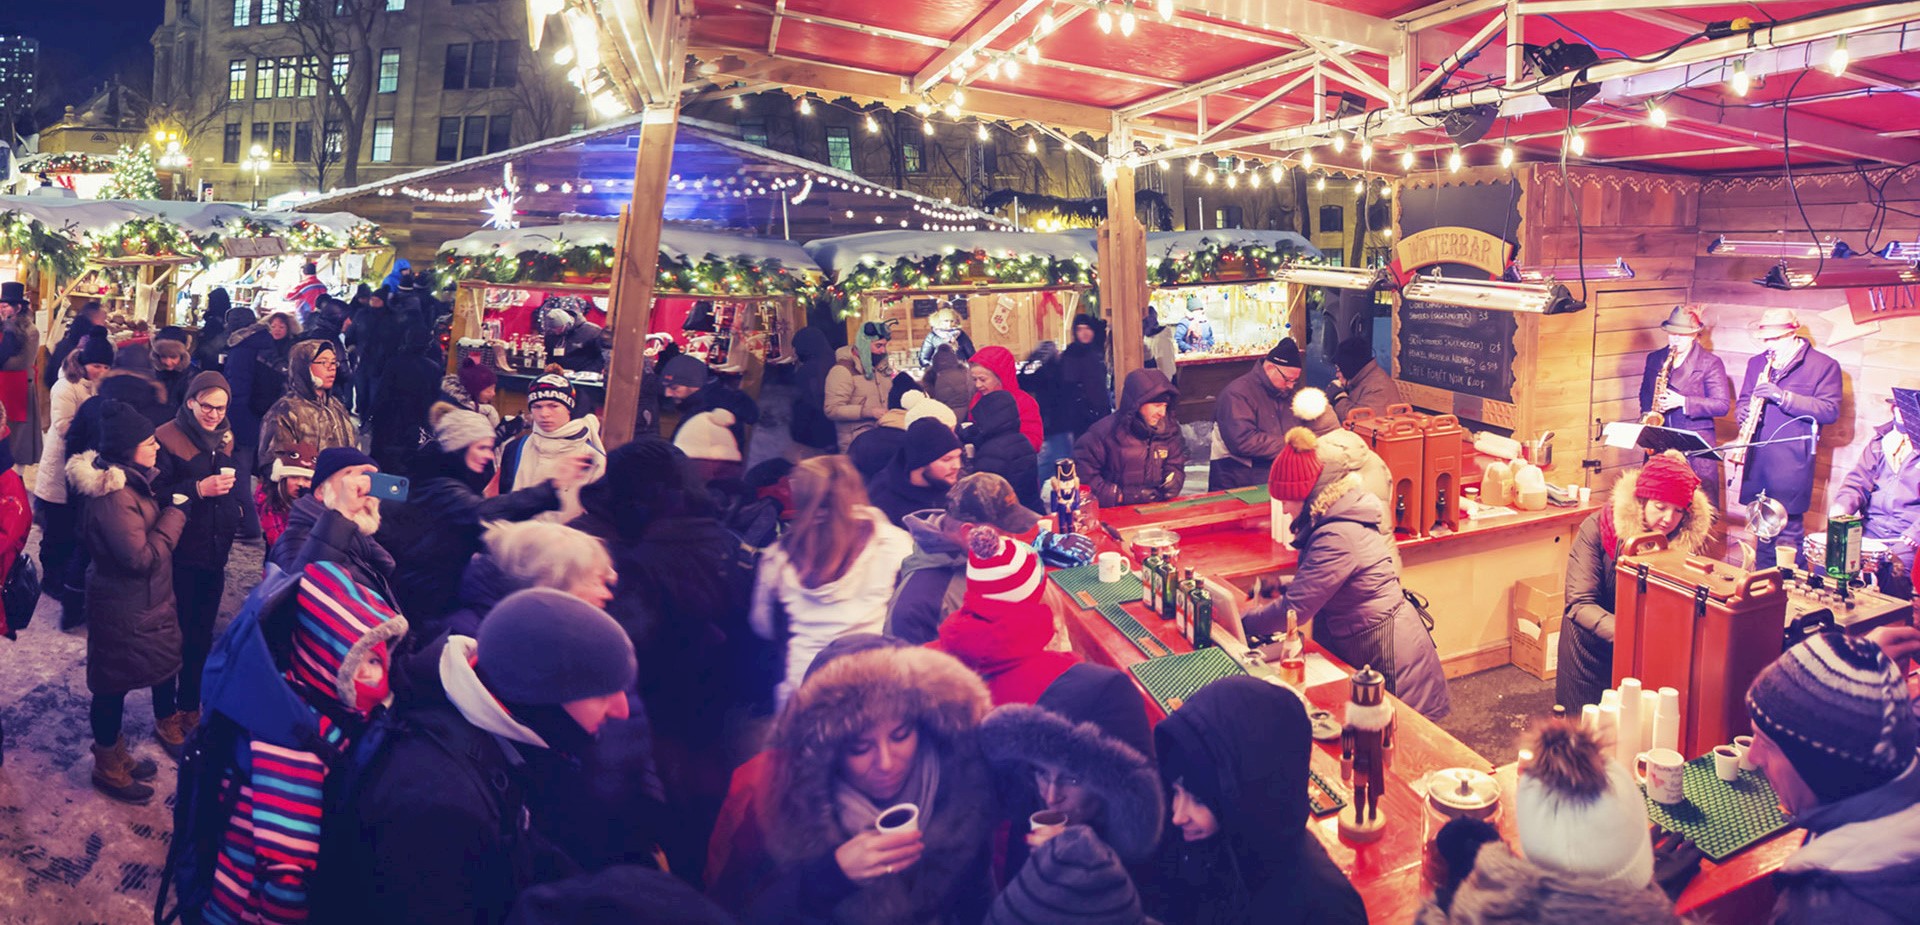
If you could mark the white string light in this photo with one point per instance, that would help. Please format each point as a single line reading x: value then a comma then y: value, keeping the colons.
x: 1406, y: 159
x: 1127, y: 21
x: 1455, y: 161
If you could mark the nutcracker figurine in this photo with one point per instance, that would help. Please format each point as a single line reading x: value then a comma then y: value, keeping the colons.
x: 1063, y: 498
x: 1363, y: 755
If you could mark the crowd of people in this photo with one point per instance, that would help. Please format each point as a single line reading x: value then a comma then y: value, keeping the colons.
x: 554, y: 677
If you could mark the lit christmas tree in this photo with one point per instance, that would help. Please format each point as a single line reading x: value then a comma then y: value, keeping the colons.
x: 134, y: 176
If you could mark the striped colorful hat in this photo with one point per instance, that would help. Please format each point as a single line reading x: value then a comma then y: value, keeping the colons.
x: 1839, y: 711
x: 1010, y: 573
x: 339, y: 622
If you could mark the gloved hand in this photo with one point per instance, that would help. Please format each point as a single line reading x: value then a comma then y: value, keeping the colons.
x: 1675, y: 860
x: 1669, y: 400
x: 1064, y: 550
x: 1767, y: 391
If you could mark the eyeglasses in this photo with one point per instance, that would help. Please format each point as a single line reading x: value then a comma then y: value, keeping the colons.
x: 210, y: 409
x: 325, y: 364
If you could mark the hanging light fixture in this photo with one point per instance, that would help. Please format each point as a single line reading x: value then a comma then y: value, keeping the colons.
x: 1127, y: 20
x: 1576, y: 144
x: 1253, y: 179
x: 1033, y: 147
x: 952, y: 111
x: 806, y: 106
x: 959, y: 97
x: 1210, y: 175
x: 1360, y: 186
x: 1013, y: 67
x: 1656, y: 115
x: 1827, y: 248
x: 1339, y: 142
x: 1233, y: 180
x: 1366, y: 151
x: 736, y: 102
x: 1357, y: 278
x: 1279, y: 170
x: 1047, y: 21
x: 1033, y: 52
x: 1193, y: 166
x: 1506, y: 155
x: 1306, y: 159
x: 993, y: 69
x: 1455, y: 161
x: 980, y: 131
x: 1838, y: 59
x: 1406, y: 159
x: 1166, y: 10
x: 1618, y: 269
x: 1537, y: 298
x: 1320, y: 184
x: 926, y: 127
x: 1105, y: 20
x: 1740, y: 82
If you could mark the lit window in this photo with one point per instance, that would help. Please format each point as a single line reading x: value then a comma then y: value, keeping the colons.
x: 382, y: 141
x: 310, y: 77
x: 237, y: 79
x: 243, y: 12
x: 910, y: 160
x: 263, y: 79
x: 342, y: 65
x: 840, y: 148
x: 269, y: 12
x: 389, y: 70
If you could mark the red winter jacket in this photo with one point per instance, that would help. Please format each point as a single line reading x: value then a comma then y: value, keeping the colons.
x: 16, y: 518
x: 1000, y: 361
x: 1006, y: 645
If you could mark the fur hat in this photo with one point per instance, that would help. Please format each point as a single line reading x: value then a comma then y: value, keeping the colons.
x: 1839, y: 711
x: 1310, y: 408
x: 706, y: 436
x: 169, y: 348
x: 1296, y: 468
x: 920, y: 406
x: 1580, y: 813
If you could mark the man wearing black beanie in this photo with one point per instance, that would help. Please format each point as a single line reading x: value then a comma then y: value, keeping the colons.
x: 441, y: 829
x: 1362, y: 383
x: 920, y: 473
x: 1252, y: 416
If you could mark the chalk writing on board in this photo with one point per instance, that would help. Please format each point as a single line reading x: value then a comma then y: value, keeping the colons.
x: 1466, y: 350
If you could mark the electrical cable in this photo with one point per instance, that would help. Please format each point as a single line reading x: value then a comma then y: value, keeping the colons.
x: 1786, y: 158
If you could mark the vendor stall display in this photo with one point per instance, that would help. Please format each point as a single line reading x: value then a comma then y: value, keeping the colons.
x: 1008, y: 289
x: 1215, y: 291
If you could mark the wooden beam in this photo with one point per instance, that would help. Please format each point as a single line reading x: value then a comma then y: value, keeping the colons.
x: 996, y: 20
x: 1123, y: 262
x: 636, y: 263
x: 1357, y: 78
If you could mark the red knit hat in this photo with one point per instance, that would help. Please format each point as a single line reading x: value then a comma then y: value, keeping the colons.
x: 1296, y: 468
x: 1667, y: 478
x: 1001, y: 570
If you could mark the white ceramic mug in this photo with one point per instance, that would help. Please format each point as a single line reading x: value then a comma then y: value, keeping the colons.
x: 1113, y: 566
x: 1745, y: 745
x: 1664, y: 772
x: 900, y: 817
x: 1726, y: 762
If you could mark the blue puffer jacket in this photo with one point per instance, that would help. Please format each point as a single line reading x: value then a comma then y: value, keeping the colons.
x: 1889, y: 497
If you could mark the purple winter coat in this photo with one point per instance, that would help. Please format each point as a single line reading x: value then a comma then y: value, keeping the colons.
x: 1348, y: 580
x: 1889, y: 497
x: 1785, y: 470
x: 1702, y: 380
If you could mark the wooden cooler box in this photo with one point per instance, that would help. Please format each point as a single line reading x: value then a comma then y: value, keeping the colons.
x: 1702, y: 627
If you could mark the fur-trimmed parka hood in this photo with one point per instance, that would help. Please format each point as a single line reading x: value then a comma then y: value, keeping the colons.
x: 1629, y: 519
x: 1504, y: 888
x: 1016, y: 737
x: 837, y: 703
x: 96, y: 478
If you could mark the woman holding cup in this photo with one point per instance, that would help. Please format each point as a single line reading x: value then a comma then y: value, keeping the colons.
x: 879, y: 803
x: 196, y: 460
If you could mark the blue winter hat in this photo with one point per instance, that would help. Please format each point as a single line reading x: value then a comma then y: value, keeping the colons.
x: 543, y: 647
x: 334, y: 459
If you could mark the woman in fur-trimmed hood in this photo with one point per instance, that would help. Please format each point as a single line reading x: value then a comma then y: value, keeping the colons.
x: 1664, y: 496
x: 866, y: 732
x: 1349, y: 572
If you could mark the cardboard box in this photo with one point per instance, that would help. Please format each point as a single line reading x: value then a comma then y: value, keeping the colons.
x: 1533, y: 629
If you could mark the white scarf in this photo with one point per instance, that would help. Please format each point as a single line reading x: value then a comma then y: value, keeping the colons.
x: 545, y: 452
x: 472, y: 698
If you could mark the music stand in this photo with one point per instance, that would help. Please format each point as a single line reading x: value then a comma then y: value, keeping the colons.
x: 1624, y: 434
x: 1907, y: 401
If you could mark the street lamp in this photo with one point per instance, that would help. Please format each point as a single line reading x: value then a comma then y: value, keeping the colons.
x: 256, y: 164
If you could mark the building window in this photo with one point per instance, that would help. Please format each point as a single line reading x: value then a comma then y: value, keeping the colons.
x: 990, y: 158
x: 332, y: 140
x: 302, y: 142
x: 754, y: 132
x: 289, y: 10
x: 282, y: 141
x: 474, y: 140
x: 840, y: 148
x: 447, y: 147
x: 230, y: 144
x: 269, y: 12
x: 243, y: 12
x: 342, y: 66
x: 263, y: 79
x: 480, y: 66
x: 383, y: 141
x: 499, y: 133
x: 258, y: 136
x: 505, y: 60
x: 389, y: 70
x: 910, y: 160
x: 310, y: 77
x: 395, y: 6
x: 237, y: 79
x: 284, y: 76
x: 454, y: 75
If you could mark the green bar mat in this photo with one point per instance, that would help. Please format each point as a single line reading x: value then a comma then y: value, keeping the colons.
x: 1087, y: 578
x: 1254, y: 495
x: 1145, y: 641
x: 1172, y: 679
x: 1242, y: 495
x: 1322, y: 798
x: 1721, y: 817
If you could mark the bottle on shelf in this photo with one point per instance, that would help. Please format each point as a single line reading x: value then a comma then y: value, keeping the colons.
x: 1183, y: 604
x: 1152, y: 590
x: 1165, y: 577
x: 1200, y: 615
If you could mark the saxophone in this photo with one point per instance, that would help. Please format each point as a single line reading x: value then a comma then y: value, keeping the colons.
x: 1737, y: 458
x: 1655, y: 417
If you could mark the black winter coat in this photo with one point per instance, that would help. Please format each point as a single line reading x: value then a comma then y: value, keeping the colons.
x: 1000, y: 448
x: 317, y: 534
x: 409, y: 385
x: 809, y: 425
x: 211, y: 522
x: 256, y: 367
x: 437, y: 529
x: 133, y: 637
x: 1084, y: 396
x: 1122, y: 460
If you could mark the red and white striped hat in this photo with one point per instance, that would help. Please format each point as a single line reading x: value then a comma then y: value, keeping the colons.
x: 1011, y: 574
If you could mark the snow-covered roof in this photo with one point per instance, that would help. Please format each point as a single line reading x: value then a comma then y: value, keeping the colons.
x: 843, y: 254
x: 682, y: 243
x: 74, y: 217
x: 1163, y: 244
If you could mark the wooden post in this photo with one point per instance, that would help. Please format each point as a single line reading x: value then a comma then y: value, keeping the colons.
x: 636, y: 262
x: 1123, y: 264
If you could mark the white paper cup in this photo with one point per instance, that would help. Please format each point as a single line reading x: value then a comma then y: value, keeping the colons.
x: 1113, y: 566
x: 226, y: 471
x: 1785, y: 556
x: 900, y: 817
x: 1745, y: 745
x: 1663, y: 771
x: 1048, y: 822
x: 1726, y: 762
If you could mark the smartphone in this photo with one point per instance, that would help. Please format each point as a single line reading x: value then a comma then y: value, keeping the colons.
x: 387, y: 487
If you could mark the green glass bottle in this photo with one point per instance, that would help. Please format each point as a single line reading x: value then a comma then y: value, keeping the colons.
x: 1200, y: 615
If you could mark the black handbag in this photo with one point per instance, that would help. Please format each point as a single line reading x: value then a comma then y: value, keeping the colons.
x: 20, y: 596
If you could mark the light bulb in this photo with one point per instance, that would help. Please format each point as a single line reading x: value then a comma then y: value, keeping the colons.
x: 1032, y: 146
x: 737, y: 102
x: 1210, y: 175
x: 806, y: 106
x: 926, y: 128
x: 1279, y: 170
x: 1109, y: 170
x: 923, y: 107
x: 1193, y: 167
x: 1360, y: 186
x: 1106, y: 21
x: 1406, y: 159
x: 1339, y: 142
x: 1656, y: 115
x: 1838, y: 60
x: 1306, y: 159
x: 564, y: 56
x: 1013, y: 68
x: 1166, y: 10
x: 873, y: 127
x: 1127, y: 22
x: 1047, y: 22
x: 1366, y: 152
x: 1455, y: 161
x: 952, y: 110
x: 993, y: 69
x: 980, y: 131
x: 1506, y: 155
x: 1740, y: 82
x: 1320, y: 184
x: 1576, y: 143
x: 1253, y: 179
x: 1233, y: 180
x: 1033, y: 53
x: 959, y: 97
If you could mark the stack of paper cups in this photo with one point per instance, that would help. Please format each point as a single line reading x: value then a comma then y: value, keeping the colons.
x: 1649, y: 714
x: 1666, y: 720
x: 1609, y: 728
x: 1628, y: 745
x: 1590, y: 717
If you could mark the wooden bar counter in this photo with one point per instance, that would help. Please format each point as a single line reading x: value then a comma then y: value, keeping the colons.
x: 1466, y: 575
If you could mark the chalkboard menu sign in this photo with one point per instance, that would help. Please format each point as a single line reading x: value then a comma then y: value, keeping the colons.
x: 1466, y: 350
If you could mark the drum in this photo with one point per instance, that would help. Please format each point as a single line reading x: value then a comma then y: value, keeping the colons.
x: 1873, y: 553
